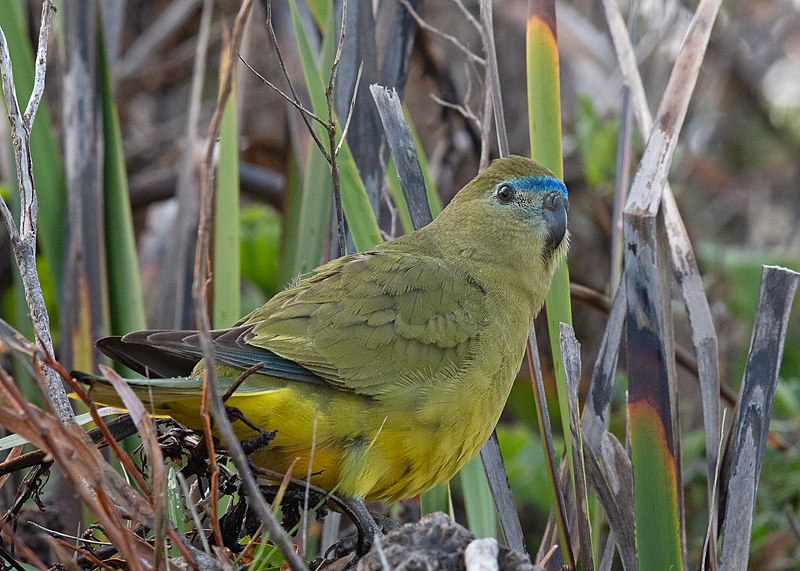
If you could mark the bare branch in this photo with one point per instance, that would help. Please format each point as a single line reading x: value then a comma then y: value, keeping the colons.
x: 23, y: 240
x: 291, y: 85
x: 41, y: 65
x: 293, y: 102
x: 468, y: 15
x: 484, y: 124
x: 445, y: 36
x: 350, y: 110
x: 463, y: 109
x: 337, y: 191
x: 493, y: 81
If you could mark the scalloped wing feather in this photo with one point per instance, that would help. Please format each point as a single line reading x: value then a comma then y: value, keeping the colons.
x: 365, y: 322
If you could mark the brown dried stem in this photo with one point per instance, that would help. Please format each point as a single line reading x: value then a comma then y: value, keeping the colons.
x: 211, y: 398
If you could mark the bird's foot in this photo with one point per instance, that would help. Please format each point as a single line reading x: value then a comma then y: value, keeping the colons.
x: 368, y: 525
x: 251, y: 445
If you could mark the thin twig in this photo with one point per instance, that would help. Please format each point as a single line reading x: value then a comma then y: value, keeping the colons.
x: 199, y: 294
x: 464, y: 110
x: 468, y: 15
x: 198, y: 524
x: 346, y: 127
x: 493, y: 81
x: 41, y: 66
x: 304, y: 528
x: 291, y: 85
x: 445, y: 36
x: 329, y: 91
x: 23, y: 240
x: 60, y: 535
x: 484, y: 124
x: 293, y: 102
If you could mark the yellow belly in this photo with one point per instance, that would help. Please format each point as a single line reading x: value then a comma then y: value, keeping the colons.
x: 356, y: 446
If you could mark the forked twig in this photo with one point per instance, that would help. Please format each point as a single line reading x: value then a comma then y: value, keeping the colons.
x: 444, y: 35
x: 295, y: 100
x: 23, y: 239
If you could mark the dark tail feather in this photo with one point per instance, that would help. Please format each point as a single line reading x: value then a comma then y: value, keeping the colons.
x: 147, y: 360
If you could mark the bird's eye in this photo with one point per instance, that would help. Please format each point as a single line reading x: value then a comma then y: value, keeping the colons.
x: 506, y: 193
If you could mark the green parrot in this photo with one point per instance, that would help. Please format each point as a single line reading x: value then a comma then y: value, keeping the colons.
x: 395, y: 362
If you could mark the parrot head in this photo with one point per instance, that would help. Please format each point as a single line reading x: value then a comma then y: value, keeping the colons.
x: 514, y: 211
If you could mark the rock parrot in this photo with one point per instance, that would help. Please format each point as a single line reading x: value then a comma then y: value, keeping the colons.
x: 395, y: 362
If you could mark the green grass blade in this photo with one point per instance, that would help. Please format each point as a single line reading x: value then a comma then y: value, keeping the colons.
x: 544, y: 116
x: 481, y: 513
x: 434, y: 201
x: 398, y: 198
x: 227, y: 296
x: 437, y: 499
x: 126, y: 301
x: 308, y: 213
x: 308, y: 208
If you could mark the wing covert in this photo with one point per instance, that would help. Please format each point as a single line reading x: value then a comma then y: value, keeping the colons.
x: 413, y: 317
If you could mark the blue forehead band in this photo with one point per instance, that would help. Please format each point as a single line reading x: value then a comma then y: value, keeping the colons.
x: 540, y: 184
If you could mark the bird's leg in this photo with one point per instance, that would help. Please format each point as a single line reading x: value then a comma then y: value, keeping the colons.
x: 250, y: 445
x: 364, y: 522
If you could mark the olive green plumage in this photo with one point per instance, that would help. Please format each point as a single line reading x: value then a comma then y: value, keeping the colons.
x: 395, y: 362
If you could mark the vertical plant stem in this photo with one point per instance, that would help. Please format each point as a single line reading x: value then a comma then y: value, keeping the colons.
x: 331, y: 128
x: 211, y: 398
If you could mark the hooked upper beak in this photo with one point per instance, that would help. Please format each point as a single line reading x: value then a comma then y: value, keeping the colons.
x: 555, y: 216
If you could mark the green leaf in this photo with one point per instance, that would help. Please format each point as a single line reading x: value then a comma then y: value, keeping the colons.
x: 481, y: 514
x: 437, y: 499
x: 227, y: 295
x: 597, y: 144
x: 544, y: 116
x: 260, y: 228
x: 126, y: 300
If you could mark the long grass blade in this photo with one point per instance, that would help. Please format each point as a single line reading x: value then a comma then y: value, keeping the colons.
x: 125, y: 297
x: 686, y: 269
x: 481, y: 516
x: 437, y: 499
x: 227, y: 266
x: 596, y: 410
x: 84, y: 305
x: 652, y: 392
x: 398, y: 45
x: 571, y: 350
x: 778, y: 288
x: 401, y: 143
x: 364, y: 133
x: 544, y: 117
x: 543, y: 417
x: 357, y: 208
x: 608, y: 469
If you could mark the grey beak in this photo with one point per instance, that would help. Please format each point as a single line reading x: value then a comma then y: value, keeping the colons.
x: 555, y: 216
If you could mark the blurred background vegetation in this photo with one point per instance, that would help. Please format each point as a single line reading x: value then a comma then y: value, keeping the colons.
x: 736, y: 178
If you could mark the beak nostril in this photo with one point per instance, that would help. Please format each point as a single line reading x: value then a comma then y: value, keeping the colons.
x: 554, y: 201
